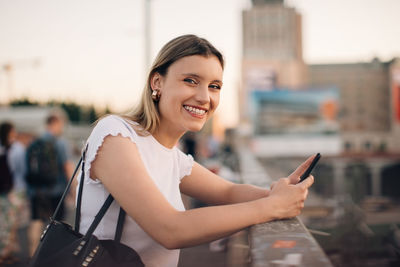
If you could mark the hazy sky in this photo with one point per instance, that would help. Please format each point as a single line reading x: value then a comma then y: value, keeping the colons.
x: 92, y: 51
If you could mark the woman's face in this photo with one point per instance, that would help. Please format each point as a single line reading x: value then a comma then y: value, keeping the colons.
x: 190, y: 92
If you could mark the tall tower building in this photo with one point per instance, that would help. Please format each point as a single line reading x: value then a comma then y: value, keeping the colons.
x: 272, y: 32
x: 272, y: 48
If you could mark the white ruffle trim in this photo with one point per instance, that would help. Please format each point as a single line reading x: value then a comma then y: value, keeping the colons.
x: 188, y: 168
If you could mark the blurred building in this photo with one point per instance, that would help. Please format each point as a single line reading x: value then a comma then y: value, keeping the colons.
x: 357, y: 129
x: 272, y: 33
x: 31, y: 121
x: 369, y: 98
x: 272, y: 48
x: 369, y: 103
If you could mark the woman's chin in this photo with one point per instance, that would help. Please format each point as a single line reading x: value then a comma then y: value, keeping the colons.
x: 195, y: 127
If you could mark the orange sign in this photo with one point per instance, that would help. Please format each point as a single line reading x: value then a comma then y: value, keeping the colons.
x: 396, y: 94
x: 284, y: 244
x: 396, y: 101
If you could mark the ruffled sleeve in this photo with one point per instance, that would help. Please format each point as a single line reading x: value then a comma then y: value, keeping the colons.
x: 110, y: 125
x: 185, y: 164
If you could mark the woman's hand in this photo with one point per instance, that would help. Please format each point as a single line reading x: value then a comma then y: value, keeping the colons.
x: 286, y: 199
x: 288, y: 195
x: 294, y: 177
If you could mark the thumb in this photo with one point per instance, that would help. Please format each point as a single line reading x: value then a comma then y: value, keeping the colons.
x: 307, y: 182
x: 272, y: 185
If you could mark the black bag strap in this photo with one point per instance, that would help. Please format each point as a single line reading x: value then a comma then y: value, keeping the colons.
x: 56, y: 212
x: 79, y: 197
x: 120, y: 225
x: 99, y: 216
x: 102, y: 211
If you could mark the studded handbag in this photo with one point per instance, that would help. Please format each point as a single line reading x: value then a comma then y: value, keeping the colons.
x: 63, y: 246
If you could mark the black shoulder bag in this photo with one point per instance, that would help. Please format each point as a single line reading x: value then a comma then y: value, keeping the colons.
x: 62, y: 246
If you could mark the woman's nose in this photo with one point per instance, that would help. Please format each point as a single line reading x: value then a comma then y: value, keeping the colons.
x: 202, y: 95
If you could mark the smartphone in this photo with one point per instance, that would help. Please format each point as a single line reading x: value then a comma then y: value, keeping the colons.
x: 310, y: 168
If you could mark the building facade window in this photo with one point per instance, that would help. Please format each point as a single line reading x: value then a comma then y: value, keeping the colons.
x: 347, y: 146
x: 367, y: 145
x: 382, y: 146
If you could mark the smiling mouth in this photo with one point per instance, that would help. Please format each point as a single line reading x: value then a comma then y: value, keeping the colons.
x: 195, y: 111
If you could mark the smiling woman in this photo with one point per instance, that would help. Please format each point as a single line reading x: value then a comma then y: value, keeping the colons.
x: 195, y: 83
x: 134, y: 158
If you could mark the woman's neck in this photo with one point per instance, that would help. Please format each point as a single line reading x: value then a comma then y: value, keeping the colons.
x: 167, y: 137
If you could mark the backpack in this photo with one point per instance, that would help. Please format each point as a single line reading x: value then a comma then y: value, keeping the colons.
x: 6, y: 179
x: 42, y: 163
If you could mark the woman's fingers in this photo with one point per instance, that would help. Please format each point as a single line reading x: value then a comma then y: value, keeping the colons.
x: 290, y: 198
x: 295, y: 176
x: 307, y: 182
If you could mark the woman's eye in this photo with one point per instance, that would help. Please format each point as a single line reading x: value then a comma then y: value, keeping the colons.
x: 191, y: 81
x: 215, y: 86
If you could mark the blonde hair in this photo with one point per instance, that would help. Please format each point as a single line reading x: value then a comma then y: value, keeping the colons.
x: 146, y: 114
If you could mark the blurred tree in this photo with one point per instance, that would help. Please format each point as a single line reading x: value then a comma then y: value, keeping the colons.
x: 23, y: 102
x: 91, y: 114
x: 108, y: 110
x: 73, y: 110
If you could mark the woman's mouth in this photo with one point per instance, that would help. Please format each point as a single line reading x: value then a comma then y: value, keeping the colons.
x: 195, y: 111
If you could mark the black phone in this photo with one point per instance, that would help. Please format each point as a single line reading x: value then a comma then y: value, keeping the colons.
x: 310, y: 168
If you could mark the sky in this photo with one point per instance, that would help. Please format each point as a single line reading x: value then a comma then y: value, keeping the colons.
x: 92, y: 51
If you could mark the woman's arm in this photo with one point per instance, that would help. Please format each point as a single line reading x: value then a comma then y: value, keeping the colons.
x: 212, y: 189
x: 119, y: 166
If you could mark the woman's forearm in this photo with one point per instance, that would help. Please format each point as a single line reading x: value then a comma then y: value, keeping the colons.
x: 245, y: 192
x: 197, y: 226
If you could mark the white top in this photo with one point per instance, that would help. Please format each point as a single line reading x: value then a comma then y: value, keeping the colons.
x: 165, y: 166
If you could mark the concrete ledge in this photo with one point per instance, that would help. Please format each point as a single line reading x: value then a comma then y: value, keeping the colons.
x: 277, y: 243
x: 285, y: 243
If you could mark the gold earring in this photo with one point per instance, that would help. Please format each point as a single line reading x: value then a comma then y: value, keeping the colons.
x: 156, y: 95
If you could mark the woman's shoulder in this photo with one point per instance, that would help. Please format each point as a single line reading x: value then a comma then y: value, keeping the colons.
x: 115, y: 122
x: 113, y: 119
x: 114, y: 125
x: 110, y: 125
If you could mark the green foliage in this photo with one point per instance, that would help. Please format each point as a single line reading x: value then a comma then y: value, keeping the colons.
x: 92, y: 115
x: 23, y: 102
x: 73, y: 110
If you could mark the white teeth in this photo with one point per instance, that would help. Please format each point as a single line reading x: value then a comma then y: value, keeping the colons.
x: 195, y: 110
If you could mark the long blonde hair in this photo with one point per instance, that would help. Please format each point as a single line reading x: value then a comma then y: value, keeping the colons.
x: 146, y: 114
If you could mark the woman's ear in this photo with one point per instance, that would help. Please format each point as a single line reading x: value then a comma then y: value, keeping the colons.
x: 156, y: 81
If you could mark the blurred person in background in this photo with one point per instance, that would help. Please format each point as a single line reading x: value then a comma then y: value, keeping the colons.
x: 48, y: 169
x: 8, y: 222
x: 189, y: 144
x: 135, y: 158
x: 17, y: 159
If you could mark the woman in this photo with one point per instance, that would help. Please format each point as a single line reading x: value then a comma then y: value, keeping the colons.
x: 135, y: 159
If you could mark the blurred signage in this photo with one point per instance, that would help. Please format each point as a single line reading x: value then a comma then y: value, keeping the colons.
x: 283, y: 111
